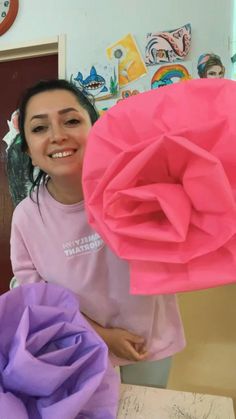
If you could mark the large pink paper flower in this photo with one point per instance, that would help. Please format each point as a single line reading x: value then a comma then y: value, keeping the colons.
x: 160, y: 183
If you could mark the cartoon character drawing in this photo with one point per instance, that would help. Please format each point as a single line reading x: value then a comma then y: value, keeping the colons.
x: 127, y: 93
x: 168, y: 46
x: 210, y: 66
x: 93, y: 84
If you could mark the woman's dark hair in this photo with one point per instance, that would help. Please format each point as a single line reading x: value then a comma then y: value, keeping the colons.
x: 46, y: 86
x: 17, y: 173
x: 207, y: 61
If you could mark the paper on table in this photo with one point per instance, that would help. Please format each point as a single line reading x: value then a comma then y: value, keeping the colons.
x: 138, y: 402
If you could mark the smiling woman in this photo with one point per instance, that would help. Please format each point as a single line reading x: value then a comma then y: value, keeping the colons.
x: 54, y: 122
x: 56, y: 135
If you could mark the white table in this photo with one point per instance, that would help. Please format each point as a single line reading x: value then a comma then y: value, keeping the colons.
x: 138, y: 402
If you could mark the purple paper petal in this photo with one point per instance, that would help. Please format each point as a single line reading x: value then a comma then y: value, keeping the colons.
x: 52, y: 363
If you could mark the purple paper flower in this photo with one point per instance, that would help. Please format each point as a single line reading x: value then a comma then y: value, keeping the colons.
x: 52, y: 364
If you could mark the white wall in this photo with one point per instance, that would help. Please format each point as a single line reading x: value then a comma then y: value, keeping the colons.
x: 92, y: 25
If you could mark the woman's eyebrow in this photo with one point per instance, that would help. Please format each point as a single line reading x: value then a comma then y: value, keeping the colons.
x: 61, y: 112
x: 39, y: 116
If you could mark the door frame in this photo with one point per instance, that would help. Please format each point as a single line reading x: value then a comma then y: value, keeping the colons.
x: 49, y: 46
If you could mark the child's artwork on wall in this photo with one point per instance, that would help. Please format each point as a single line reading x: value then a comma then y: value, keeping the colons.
x: 100, y: 81
x: 102, y: 110
x: 127, y: 93
x: 131, y: 64
x: 168, y: 46
x: 169, y: 74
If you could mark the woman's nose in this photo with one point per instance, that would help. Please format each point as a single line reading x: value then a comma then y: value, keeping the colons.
x: 58, y: 134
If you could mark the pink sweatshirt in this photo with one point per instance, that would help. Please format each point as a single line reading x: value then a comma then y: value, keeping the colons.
x: 57, y: 244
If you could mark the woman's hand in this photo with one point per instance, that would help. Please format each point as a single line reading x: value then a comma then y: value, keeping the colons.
x: 122, y: 343
x: 125, y: 345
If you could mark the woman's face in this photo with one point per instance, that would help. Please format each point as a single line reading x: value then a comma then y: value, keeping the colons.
x: 215, y: 72
x: 56, y: 130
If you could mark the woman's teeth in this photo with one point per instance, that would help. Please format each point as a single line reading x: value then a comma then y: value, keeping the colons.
x: 61, y: 154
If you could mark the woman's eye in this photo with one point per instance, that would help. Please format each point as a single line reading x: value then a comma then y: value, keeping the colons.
x: 73, y: 121
x: 39, y: 128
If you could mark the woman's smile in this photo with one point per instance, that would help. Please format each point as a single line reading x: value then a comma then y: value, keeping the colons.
x: 62, y: 154
x: 57, y: 127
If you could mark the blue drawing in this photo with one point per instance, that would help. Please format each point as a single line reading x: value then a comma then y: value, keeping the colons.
x: 93, y: 84
x: 161, y: 83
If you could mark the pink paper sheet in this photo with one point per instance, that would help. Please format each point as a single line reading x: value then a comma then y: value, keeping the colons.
x: 160, y: 185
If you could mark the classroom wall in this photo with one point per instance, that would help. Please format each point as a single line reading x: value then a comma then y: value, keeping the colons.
x: 207, y: 364
x: 91, y: 25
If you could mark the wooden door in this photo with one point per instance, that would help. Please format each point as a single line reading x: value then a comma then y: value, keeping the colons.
x: 15, y: 76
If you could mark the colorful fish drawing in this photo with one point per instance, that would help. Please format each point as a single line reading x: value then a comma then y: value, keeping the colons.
x: 93, y: 84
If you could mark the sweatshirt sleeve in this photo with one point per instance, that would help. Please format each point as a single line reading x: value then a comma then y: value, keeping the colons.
x: 22, y: 265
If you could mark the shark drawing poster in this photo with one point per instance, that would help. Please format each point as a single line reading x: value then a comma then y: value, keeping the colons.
x: 98, y: 80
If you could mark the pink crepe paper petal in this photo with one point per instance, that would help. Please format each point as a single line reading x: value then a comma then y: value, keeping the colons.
x: 159, y: 181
